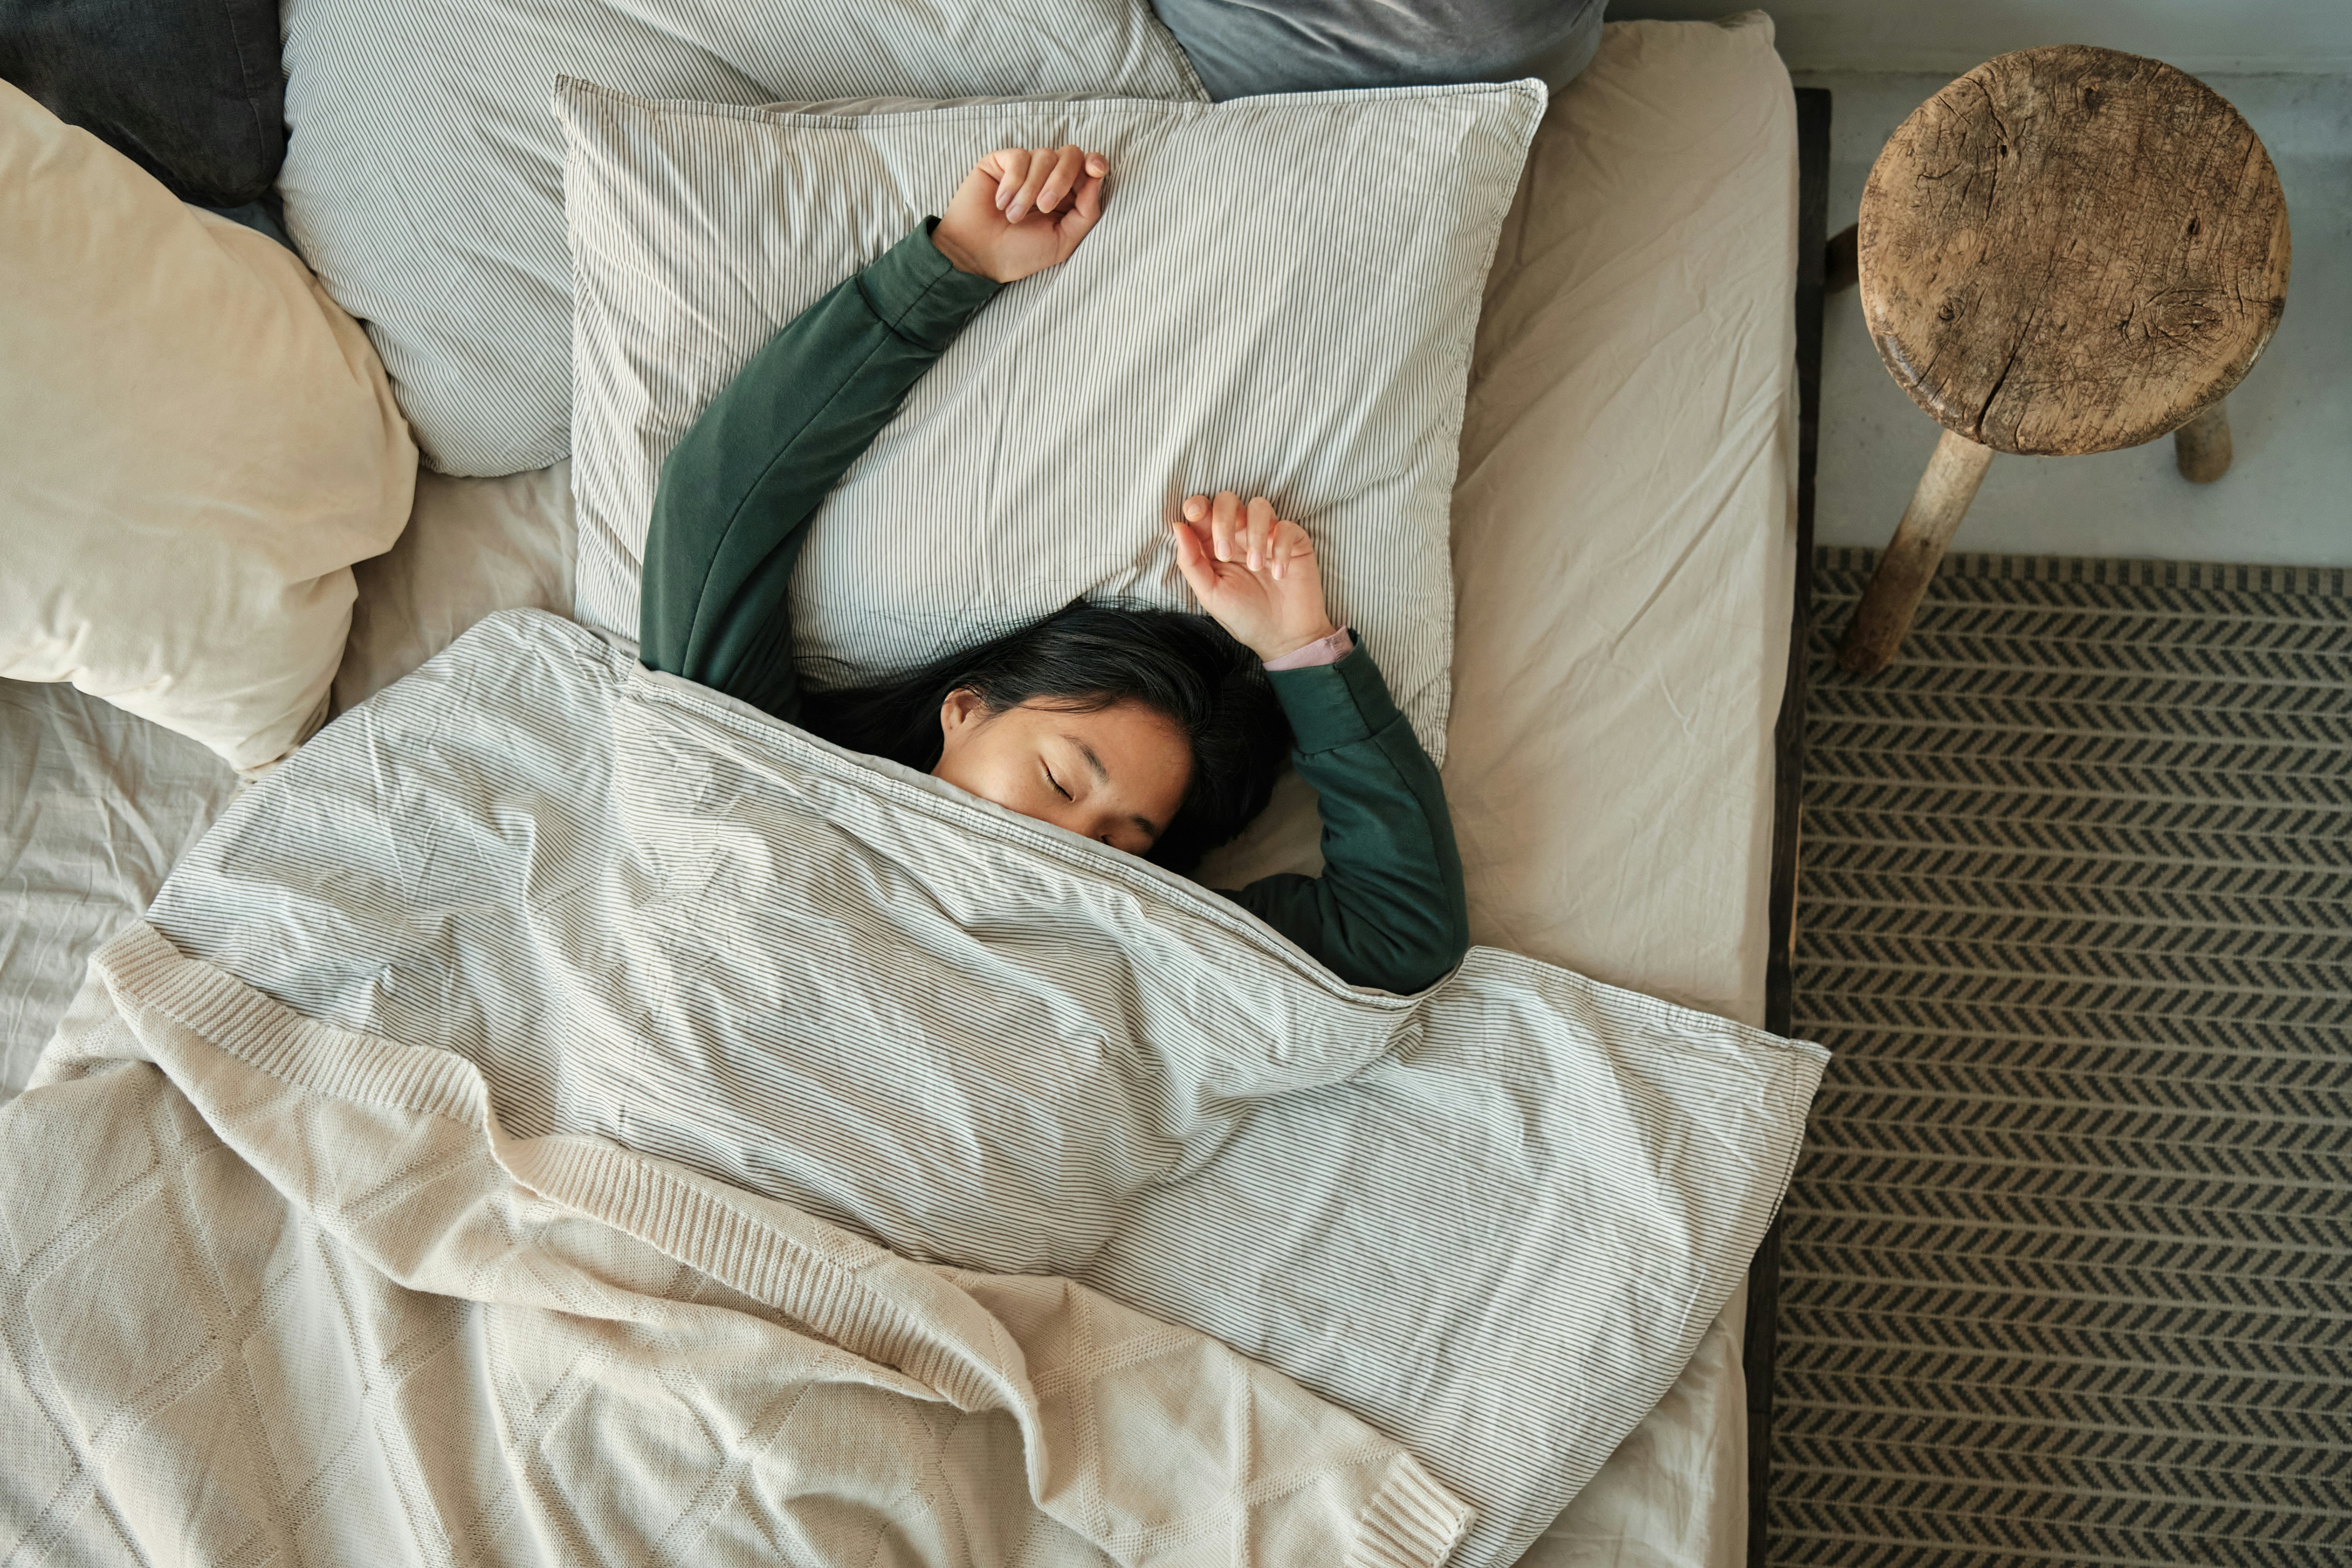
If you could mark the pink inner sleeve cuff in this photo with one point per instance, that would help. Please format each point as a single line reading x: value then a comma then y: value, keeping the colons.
x: 1322, y: 650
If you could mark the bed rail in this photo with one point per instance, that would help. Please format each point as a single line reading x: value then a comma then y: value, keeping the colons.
x: 1762, y: 1326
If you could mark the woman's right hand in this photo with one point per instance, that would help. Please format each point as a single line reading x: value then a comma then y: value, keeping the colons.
x: 1022, y: 211
x: 1254, y: 572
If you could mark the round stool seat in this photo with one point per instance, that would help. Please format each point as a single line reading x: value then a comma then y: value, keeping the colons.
x: 2070, y: 250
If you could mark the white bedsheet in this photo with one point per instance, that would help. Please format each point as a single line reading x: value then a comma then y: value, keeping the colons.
x: 1624, y: 531
x: 473, y: 547
x: 96, y: 806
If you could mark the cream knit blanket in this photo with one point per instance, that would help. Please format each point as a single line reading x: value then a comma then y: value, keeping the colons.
x: 278, y: 1291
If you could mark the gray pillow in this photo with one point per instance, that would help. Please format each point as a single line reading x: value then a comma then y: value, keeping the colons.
x: 187, y: 89
x: 1241, y: 47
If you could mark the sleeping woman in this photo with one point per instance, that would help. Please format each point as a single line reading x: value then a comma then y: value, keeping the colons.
x: 1156, y: 733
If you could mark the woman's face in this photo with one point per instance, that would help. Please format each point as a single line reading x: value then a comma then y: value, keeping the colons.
x: 1117, y: 774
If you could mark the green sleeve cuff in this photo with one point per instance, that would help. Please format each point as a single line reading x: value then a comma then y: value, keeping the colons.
x: 1335, y: 705
x: 919, y: 294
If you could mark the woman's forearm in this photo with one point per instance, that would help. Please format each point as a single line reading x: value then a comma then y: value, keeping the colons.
x: 739, y: 490
x: 1389, y: 908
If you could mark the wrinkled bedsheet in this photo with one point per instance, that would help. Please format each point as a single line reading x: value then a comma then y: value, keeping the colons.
x: 281, y: 1292
x: 95, y: 807
x: 1493, y: 1220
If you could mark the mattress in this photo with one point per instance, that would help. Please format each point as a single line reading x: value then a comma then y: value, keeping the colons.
x: 1625, y: 557
x: 1624, y: 544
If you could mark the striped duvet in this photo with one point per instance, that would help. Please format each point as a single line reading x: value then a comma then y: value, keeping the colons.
x: 1492, y: 1220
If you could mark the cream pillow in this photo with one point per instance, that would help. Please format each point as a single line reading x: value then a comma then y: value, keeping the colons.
x: 1281, y: 296
x: 196, y: 445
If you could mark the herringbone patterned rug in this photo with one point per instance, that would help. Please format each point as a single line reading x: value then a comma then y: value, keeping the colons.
x: 2067, y: 1270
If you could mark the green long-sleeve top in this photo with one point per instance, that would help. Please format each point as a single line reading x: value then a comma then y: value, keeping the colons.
x: 732, y: 511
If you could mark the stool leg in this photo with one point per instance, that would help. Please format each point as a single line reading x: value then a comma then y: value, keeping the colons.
x: 2201, y: 447
x: 1910, y: 564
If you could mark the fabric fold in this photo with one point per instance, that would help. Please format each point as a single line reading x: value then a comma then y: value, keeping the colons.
x: 639, y: 1360
x: 1491, y: 1220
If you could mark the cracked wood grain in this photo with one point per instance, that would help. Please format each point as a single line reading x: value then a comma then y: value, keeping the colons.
x: 2070, y: 250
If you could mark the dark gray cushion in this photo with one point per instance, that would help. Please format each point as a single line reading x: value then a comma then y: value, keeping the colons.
x: 188, y: 89
x: 1241, y: 47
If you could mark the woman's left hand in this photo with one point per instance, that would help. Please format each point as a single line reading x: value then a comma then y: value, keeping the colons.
x: 1252, y: 571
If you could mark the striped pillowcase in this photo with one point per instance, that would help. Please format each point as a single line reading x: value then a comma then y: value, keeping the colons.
x: 1281, y: 298
x: 424, y: 177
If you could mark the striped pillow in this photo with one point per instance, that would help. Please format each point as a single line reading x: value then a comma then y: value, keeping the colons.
x: 1281, y: 298
x: 423, y: 179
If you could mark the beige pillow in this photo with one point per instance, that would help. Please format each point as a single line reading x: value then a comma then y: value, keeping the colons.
x: 196, y: 445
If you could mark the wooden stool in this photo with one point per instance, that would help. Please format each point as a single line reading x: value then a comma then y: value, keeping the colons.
x: 2067, y: 250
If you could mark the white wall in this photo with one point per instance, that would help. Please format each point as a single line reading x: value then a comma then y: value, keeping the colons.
x: 1952, y: 36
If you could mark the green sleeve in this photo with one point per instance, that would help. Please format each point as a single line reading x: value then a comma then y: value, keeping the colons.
x: 1389, y: 909
x: 738, y: 492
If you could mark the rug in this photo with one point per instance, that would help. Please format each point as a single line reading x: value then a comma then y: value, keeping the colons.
x: 2067, y: 1266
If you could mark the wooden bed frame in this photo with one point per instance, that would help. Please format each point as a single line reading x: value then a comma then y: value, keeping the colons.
x: 1762, y: 1327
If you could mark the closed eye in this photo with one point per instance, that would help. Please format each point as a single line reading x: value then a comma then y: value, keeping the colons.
x: 1057, y: 783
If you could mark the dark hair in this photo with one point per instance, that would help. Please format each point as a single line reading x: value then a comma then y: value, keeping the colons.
x: 1087, y: 657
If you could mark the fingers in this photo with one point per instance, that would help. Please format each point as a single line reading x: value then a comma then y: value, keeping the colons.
x: 1258, y: 532
x: 1011, y: 166
x: 1250, y: 533
x: 1038, y: 179
x: 1069, y: 168
x: 1225, y: 522
x: 1078, y: 169
x: 1085, y: 209
x: 1289, y: 545
x: 1193, y: 561
x: 1042, y: 162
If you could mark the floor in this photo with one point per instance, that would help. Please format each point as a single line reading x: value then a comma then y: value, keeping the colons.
x: 2288, y: 497
x: 2065, y: 1258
